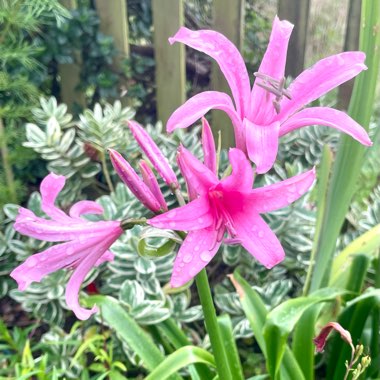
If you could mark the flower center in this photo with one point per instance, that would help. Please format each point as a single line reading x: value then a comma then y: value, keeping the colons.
x: 275, y: 87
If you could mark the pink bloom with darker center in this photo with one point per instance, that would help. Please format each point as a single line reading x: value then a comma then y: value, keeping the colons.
x: 228, y: 205
x: 85, y: 243
x: 262, y: 115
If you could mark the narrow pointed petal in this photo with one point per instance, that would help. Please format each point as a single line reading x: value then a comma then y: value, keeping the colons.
x: 151, y: 181
x: 208, y: 145
x: 197, y: 106
x: 324, y: 76
x: 49, y: 230
x: 258, y: 239
x: 153, y: 152
x: 192, y: 188
x: 201, y: 177
x: 226, y: 55
x: 193, y: 216
x: 273, y: 65
x: 281, y: 194
x: 241, y: 177
x: 133, y: 181
x: 85, y: 207
x: 328, y: 117
x: 262, y: 144
x: 195, y: 253
x: 50, y: 187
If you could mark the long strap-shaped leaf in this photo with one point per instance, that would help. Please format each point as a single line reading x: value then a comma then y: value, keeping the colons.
x: 180, y: 359
x: 130, y: 332
x: 350, y: 154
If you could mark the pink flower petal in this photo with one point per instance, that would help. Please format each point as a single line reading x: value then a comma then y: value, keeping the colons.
x: 50, y: 187
x: 241, y: 178
x: 208, y: 145
x: 200, y: 176
x: 193, y: 190
x: 195, y: 253
x: 193, y: 216
x: 151, y: 181
x: 320, y: 340
x: 273, y: 65
x: 258, y: 239
x: 153, y: 152
x: 49, y: 230
x: 107, y: 256
x: 328, y: 117
x: 133, y: 181
x: 197, y: 106
x: 85, y: 207
x: 325, y: 75
x: 262, y: 144
x: 281, y: 194
x: 226, y: 55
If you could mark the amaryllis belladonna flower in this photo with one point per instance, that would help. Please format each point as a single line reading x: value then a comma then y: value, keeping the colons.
x: 228, y: 205
x: 84, y: 244
x: 261, y: 116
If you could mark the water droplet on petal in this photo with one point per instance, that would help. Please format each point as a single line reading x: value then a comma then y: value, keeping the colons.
x: 196, y: 248
x: 193, y: 271
x: 187, y: 258
x: 31, y: 262
x: 261, y: 234
x: 205, y: 256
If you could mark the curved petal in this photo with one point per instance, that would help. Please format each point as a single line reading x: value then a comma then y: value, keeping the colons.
x: 50, y: 187
x: 86, y: 264
x: 262, y: 144
x: 193, y: 216
x: 106, y: 257
x: 49, y: 230
x: 133, y: 181
x: 281, y: 194
x: 226, y: 55
x: 328, y: 117
x: 208, y: 146
x: 196, y: 173
x: 153, y: 152
x: 325, y: 75
x: 273, y: 65
x: 258, y: 239
x: 85, y: 207
x: 241, y: 177
x: 197, y: 106
x: 195, y: 253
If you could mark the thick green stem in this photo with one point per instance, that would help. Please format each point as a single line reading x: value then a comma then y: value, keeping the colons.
x: 212, y: 326
x: 9, y: 178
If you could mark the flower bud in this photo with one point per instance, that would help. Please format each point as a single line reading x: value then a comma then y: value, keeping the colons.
x: 153, y: 152
x: 134, y: 182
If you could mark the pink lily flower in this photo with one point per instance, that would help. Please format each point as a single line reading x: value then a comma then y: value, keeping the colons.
x: 228, y: 205
x: 85, y: 244
x: 262, y: 115
x: 321, y: 338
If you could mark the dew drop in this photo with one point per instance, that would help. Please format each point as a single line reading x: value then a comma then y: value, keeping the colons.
x: 31, y: 262
x: 261, y: 234
x: 187, y: 258
x: 205, y: 256
x: 196, y: 248
x: 193, y: 271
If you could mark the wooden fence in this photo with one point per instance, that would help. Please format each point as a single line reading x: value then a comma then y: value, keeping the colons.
x: 170, y: 74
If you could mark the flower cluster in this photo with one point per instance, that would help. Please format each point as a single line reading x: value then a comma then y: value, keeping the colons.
x: 226, y: 210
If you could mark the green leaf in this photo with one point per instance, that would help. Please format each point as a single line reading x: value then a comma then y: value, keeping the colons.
x: 256, y: 312
x: 129, y: 331
x: 229, y: 342
x: 281, y: 321
x: 180, y: 359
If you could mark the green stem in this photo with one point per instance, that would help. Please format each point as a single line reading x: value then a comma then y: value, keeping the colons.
x: 106, y: 172
x: 9, y: 178
x: 212, y: 326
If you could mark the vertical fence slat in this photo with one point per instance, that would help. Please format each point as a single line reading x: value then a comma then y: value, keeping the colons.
x: 70, y: 74
x: 351, y: 42
x: 170, y: 59
x: 229, y: 20
x: 297, y: 12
